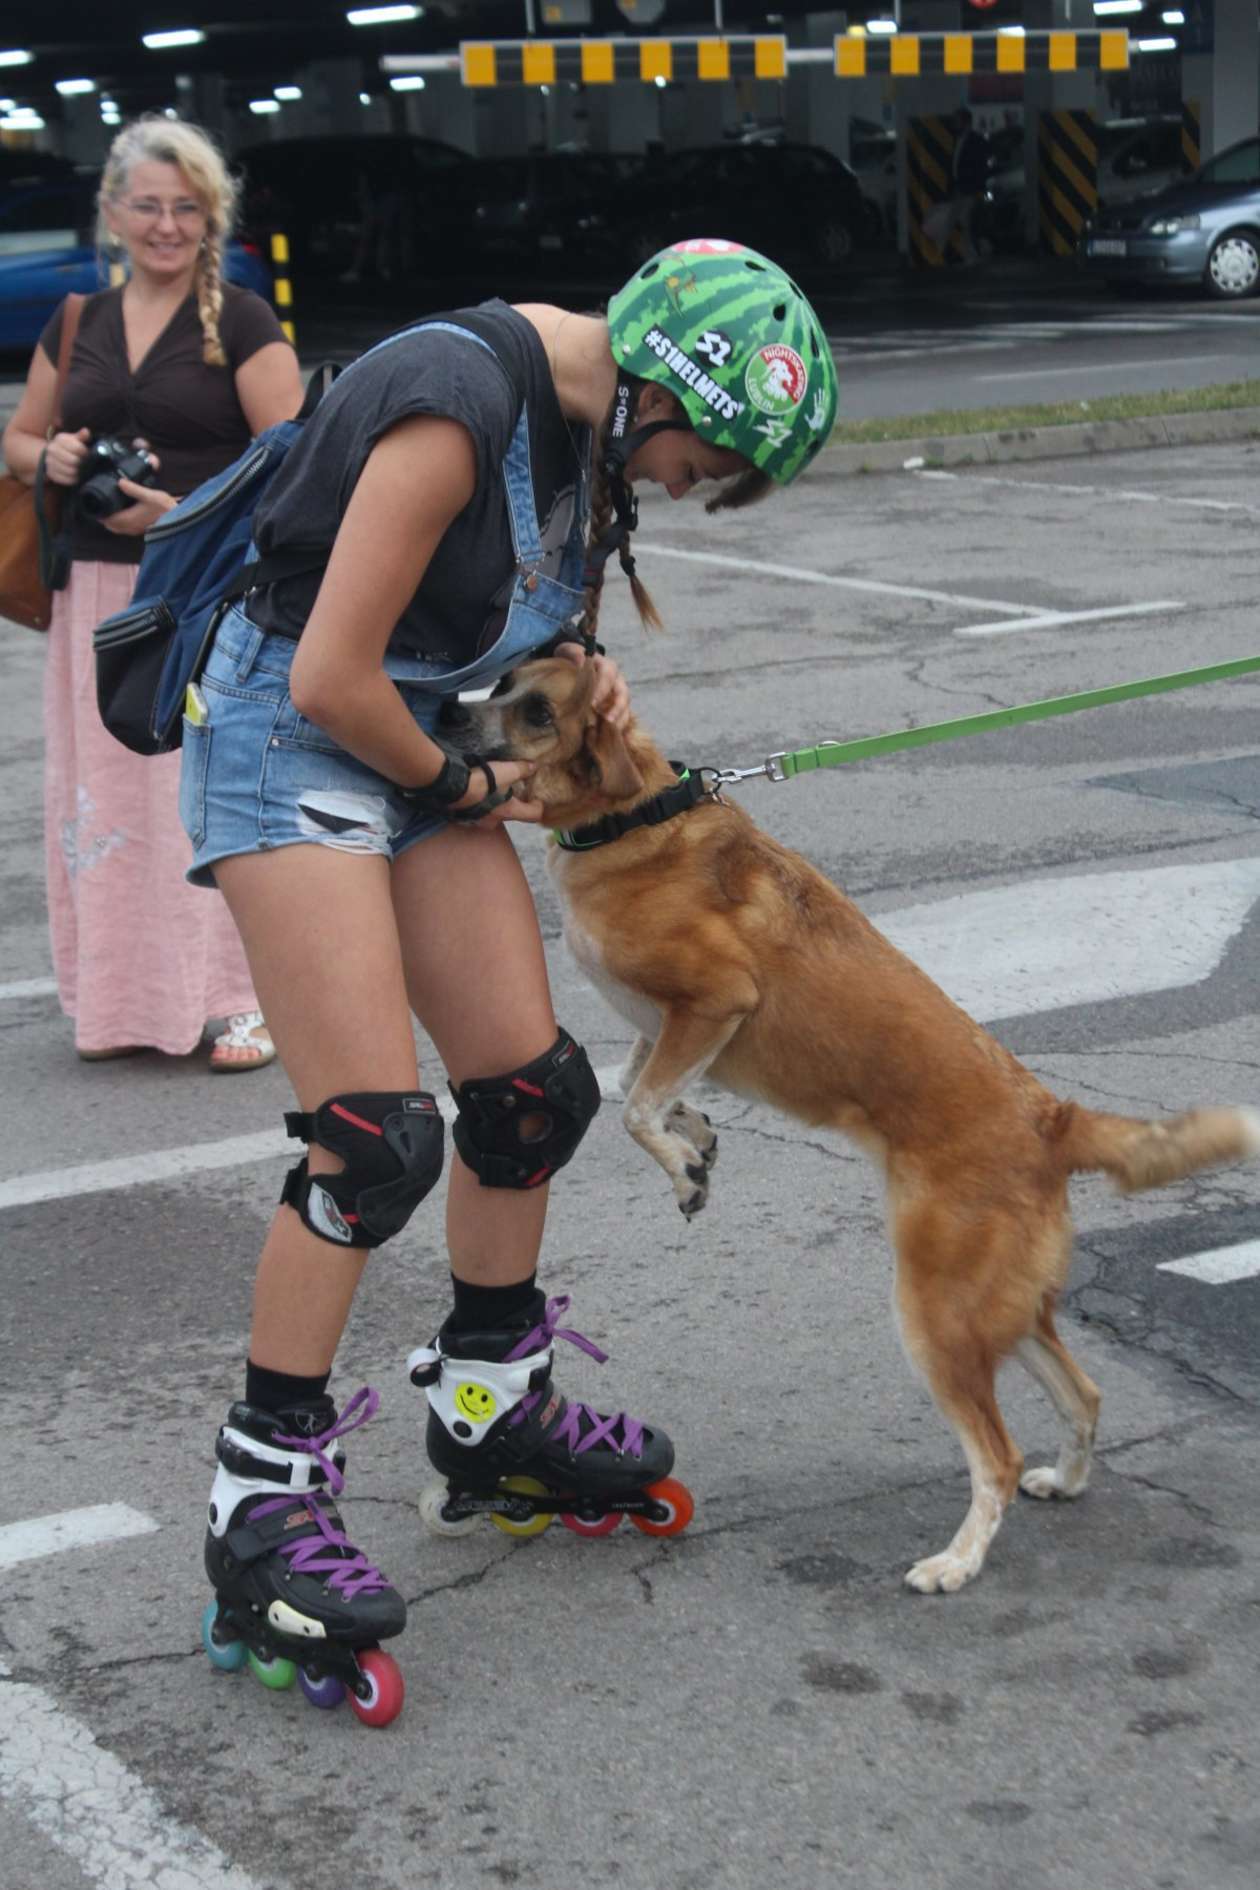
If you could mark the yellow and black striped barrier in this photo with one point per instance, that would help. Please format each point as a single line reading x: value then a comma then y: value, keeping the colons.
x: 922, y: 55
x: 605, y: 61
x: 1067, y: 178
x: 929, y: 175
x: 1191, y: 134
x: 282, y: 287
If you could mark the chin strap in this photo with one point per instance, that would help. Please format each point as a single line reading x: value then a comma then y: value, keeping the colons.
x: 624, y: 441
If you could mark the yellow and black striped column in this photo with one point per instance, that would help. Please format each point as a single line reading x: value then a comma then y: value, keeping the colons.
x: 282, y: 287
x: 1067, y: 178
x: 605, y: 61
x: 1191, y: 134
x: 929, y: 183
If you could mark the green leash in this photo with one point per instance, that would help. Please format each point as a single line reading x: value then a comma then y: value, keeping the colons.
x: 830, y: 754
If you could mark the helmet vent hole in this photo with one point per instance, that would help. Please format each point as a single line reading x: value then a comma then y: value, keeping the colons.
x: 750, y: 264
x: 645, y: 275
x: 780, y: 311
x: 816, y: 350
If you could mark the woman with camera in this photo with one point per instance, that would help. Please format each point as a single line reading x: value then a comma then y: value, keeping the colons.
x: 171, y: 374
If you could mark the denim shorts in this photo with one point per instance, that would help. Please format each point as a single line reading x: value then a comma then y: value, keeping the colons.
x: 257, y: 775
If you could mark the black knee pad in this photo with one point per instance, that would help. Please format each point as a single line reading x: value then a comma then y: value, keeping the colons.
x: 515, y: 1131
x: 392, y: 1147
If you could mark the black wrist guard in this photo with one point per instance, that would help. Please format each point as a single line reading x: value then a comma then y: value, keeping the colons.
x: 449, y: 784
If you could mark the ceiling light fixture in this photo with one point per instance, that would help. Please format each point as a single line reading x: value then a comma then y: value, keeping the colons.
x: 288, y: 92
x: 181, y: 36
x: 264, y: 105
x: 381, y: 16
x: 409, y: 82
x: 16, y: 58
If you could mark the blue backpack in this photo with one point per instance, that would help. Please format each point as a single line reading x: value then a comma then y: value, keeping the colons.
x: 198, y: 559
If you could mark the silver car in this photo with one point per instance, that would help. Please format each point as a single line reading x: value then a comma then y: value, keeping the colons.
x: 1203, y: 230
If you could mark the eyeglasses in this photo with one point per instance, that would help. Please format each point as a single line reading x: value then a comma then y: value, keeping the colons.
x: 149, y: 210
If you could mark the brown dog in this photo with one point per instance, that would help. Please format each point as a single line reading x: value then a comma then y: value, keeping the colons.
x: 736, y: 960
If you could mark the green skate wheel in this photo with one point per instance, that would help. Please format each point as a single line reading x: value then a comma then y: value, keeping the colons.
x: 276, y: 1673
x: 227, y: 1655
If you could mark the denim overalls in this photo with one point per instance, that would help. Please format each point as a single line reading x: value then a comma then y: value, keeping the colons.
x: 257, y: 775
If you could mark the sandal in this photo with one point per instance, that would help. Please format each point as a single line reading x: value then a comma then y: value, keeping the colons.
x: 245, y: 1044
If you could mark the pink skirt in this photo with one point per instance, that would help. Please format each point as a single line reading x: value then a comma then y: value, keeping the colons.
x: 140, y: 956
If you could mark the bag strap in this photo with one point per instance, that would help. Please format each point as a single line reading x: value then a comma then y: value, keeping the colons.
x: 54, y: 547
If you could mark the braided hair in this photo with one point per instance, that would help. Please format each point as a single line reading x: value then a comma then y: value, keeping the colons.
x: 161, y: 140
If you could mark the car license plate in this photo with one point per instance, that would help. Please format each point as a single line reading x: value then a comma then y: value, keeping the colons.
x: 1108, y: 246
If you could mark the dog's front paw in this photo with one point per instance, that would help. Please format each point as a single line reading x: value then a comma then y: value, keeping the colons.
x: 939, y: 1574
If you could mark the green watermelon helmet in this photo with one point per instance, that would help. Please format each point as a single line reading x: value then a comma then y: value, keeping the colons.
x: 732, y: 337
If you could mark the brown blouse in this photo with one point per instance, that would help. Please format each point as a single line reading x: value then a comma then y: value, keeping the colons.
x: 187, y: 412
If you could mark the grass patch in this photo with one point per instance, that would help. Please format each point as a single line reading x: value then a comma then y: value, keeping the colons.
x: 1061, y: 413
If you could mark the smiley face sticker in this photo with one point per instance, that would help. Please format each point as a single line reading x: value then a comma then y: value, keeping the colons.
x: 474, y: 1402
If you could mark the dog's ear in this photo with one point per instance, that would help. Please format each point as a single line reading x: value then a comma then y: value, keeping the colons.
x: 608, y: 761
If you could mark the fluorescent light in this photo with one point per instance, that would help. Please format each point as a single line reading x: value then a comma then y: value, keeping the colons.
x: 364, y: 98
x: 184, y: 36
x: 881, y: 26
x: 660, y: 81
x: 1174, y: 17
x: 264, y: 105
x: 16, y: 58
x: 1118, y: 6
x: 380, y: 16
x: 1014, y: 32
x: 288, y: 92
x: 22, y: 120
x: 69, y: 87
x: 410, y: 82
x: 1155, y: 45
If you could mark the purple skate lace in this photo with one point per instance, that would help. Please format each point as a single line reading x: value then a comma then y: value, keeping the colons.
x: 569, y: 1431
x: 329, y: 1554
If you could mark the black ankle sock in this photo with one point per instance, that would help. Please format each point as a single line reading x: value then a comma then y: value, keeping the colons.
x: 280, y: 1391
x: 482, y: 1308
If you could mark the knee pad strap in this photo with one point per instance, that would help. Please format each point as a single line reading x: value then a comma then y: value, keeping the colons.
x: 515, y: 1131
x: 392, y: 1147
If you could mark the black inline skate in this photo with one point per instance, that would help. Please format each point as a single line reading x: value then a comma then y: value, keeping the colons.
x: 294, y: 1597
x: 511, y: 1448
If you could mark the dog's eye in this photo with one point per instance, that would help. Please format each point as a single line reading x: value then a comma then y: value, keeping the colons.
x: 537, y: 712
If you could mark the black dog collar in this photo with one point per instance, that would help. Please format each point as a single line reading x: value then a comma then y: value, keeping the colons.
x: 650, y: 813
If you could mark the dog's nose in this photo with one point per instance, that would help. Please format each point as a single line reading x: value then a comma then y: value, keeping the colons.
x: 454, y: 714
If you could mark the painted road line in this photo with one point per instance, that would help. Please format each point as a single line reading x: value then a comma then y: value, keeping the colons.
x: 1219, y: 1265
x: 28, y: 987
x: 801, y: 576
x: 1102, y: 492
x: 71, y: 1529
x: 1097, y: 367
x: 91, y: 1806
x: 1053, y: 619
x: 171, y: 1164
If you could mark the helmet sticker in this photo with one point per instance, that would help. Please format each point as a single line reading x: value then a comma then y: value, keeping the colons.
x: 708, y: 246
x: 776, y: 379
x: 715, y: 346
x: 676, y: 286
x: 694, y: 376
x: 818, y: 412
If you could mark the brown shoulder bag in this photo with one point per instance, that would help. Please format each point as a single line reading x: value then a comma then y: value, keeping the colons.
x: 29, y: 515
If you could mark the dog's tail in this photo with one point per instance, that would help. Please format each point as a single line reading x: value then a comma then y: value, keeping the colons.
x: 1138, y: 1154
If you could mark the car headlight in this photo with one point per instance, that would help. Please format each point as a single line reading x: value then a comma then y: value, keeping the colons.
x: 1173, y: 226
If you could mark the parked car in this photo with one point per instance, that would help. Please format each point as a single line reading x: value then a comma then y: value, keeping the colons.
x: 795, y: 202
x: 355, y: 208
x: 1204, y: 230
x: 558, y: 212
x: 47, y: 251
x: 1135, y: 158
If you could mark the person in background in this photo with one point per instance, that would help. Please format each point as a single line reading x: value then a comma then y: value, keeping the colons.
x: 192, y: 367
x: 969, y: 171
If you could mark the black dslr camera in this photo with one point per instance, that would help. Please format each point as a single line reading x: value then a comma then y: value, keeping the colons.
x: 108, y: 460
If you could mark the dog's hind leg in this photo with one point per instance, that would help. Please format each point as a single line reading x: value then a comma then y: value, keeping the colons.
x: 1075, y: 1397
x: 680, y: 1138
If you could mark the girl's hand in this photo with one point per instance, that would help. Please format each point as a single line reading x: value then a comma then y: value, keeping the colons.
x: 136, y: 519
x: 508, y: 777
x: 64, y: 456
x: 612, y: 691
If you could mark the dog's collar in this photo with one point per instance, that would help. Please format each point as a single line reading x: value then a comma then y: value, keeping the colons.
x: 690, y: 789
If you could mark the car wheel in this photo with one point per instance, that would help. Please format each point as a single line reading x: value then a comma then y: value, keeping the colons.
x: 1233, y: 268
x: 835, y: 243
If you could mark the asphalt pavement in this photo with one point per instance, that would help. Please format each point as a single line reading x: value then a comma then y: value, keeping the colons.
x: 758, y: 1701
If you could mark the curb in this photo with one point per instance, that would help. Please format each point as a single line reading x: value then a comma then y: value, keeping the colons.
x: 1061, y: 442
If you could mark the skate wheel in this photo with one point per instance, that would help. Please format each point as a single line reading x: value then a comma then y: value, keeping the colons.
x: 532, y: 1525
x: 276, y: 1673
x: 432, y: 1506
x: 227, y: 1655
x: 596, y: 1526
x: 322, y: 1689
x: 381, y: 1700
x: 672, y: 1496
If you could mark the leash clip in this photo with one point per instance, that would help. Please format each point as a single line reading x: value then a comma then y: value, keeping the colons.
x: 772, y: 768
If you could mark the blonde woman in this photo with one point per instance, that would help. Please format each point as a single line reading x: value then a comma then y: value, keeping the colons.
x: 193, y: 366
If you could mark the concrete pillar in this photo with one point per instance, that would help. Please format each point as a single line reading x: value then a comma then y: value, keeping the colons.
x: 1223, y: 73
